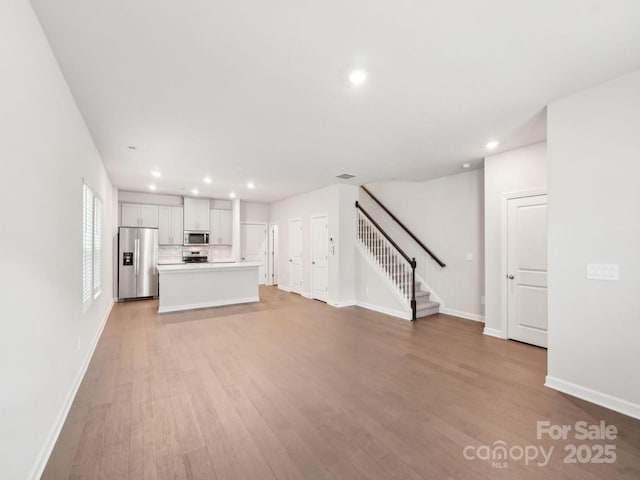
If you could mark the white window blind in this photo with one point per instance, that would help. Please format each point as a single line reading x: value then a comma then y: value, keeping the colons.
x: 97, y: 246
x: 87, y: 243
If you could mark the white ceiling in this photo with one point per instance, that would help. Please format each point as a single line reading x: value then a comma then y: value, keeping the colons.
x: 257, y: 90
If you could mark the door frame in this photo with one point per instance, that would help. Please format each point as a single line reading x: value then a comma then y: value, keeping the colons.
x: 313, y: 217
x: 266, y: 239
x: 273, y: 254
x: 295, y: 219
x: 504, y: 251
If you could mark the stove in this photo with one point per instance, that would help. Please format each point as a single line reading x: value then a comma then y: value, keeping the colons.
x: 195, y: 256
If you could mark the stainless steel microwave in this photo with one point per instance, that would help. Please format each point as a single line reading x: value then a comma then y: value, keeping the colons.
x: 196, y: 238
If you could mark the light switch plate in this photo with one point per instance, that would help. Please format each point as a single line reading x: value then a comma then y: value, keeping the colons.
x: 469, y: 256
x: 600, y: 271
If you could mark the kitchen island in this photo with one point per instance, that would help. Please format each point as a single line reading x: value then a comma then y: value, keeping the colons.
x: 201, y: 285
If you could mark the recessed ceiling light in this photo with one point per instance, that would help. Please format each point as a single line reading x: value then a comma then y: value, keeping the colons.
x: 152, y: 187
x: 207, y: 180
x: 492, y: 144
x: 195, y: 191
x: 250, y: 186
x: 466, y: 165
x: 156, y: 173
x: 357, y: 77
x: 232, y: 195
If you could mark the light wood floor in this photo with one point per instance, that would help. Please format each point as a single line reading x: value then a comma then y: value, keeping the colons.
x: 293, y: 389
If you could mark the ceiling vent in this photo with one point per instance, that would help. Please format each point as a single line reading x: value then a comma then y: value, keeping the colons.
x: 345, y: 176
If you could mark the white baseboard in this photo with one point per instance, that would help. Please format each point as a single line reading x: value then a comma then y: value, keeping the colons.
x: 494, y: 332
x: 466, y: 315
x: 348, y: 303
x: 52, y: 438
x: 216, y: 303
x: 593, y: 396
x: 284, y: 288
x: 386, y: 311
x: 306, y: 295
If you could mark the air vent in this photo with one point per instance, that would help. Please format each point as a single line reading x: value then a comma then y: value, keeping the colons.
x: 345, y: 176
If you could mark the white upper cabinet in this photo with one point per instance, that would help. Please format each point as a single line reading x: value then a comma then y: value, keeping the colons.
x: 196, y: 214
x: 220, y: 227
x: 130, y: 215
x: 133, y: 215
x: 225, y: 227
x: 170, y: 226
x: 149, y: 216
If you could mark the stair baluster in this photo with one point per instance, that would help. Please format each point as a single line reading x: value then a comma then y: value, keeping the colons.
x: 396, y: 264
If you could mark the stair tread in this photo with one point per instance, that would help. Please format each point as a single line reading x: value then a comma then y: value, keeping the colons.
x: 425, y: 305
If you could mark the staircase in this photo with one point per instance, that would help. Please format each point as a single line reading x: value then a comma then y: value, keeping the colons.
x: 395, y: 264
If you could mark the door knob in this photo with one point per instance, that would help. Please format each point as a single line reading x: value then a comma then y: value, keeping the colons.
x: 510, y: 277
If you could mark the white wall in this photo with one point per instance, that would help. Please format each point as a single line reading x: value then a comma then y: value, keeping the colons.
x: 518, y: 170
x: 446, y: 215
x: 46, y: 150
x: 336, y: 202
x: 373, y: 292
x: 594, y: 217
x: 221, y: 204
x: 254, y: 212
x: 345, y: 244
x: 150, y: 198
x: 235, y: 230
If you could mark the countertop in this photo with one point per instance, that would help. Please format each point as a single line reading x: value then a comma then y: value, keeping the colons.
x: 190, y: 267
x: 176, y: 261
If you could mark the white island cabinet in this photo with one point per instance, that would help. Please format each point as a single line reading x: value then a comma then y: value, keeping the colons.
x: 202, y: 285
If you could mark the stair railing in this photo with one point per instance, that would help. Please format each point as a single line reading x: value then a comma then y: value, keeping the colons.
x: 399, y: 267
x: 402, y: 225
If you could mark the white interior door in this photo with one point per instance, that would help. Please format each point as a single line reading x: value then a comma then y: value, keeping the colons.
x: 254, y: 247
x: 273, y: 254
x: 319, y: 258
x: 295, y: 256
x: 527, y: 269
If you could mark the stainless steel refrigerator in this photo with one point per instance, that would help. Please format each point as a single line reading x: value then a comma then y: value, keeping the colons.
x: 137, y: 263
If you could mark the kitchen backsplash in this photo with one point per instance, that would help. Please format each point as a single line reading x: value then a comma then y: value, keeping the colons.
x: 174, y: 253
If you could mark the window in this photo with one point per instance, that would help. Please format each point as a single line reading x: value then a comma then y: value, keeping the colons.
x: 91, y: 245
x: 97, y: 246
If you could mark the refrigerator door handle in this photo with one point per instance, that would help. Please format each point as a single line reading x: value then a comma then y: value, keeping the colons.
x: 137, y: 255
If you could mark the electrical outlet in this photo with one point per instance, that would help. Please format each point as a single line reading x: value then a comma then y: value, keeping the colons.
x: 469, y: 256
x: 597, y: 271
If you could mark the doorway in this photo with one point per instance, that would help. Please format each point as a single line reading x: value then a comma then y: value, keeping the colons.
x: 319, y: 258
x: 526, y: 277
x: 295, y: 256
x: 254, y: 247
